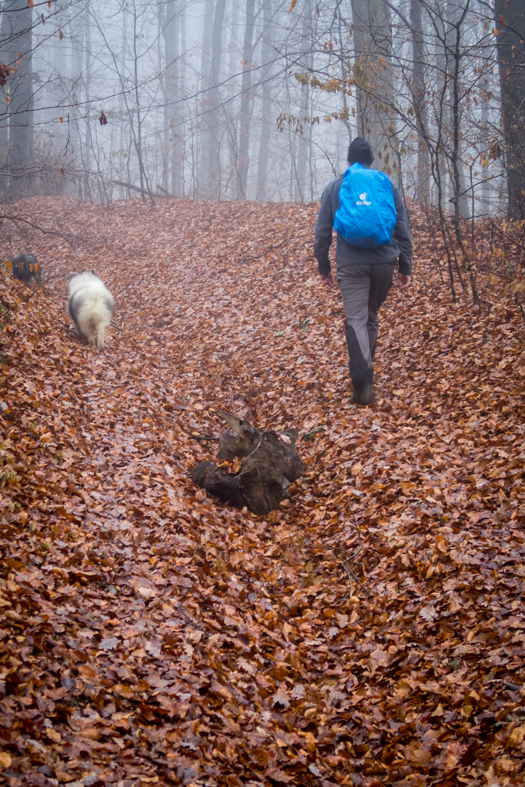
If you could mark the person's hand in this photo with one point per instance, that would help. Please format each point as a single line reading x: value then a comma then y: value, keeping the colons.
x: 328, y: 280
x: 404, y: 281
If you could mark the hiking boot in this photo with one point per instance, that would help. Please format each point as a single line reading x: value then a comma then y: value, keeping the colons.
x: 363, y: 396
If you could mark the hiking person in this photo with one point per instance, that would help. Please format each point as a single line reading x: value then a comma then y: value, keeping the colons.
x: 367, y: 212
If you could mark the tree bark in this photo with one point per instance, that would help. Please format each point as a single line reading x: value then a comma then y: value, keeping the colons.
x: 510, y: 18
x: 456, y: 18
x: 420, y: 102
x: 441, y: 115
x: 172, y: 93
x: 266, y: 103
x: 20, y: 42
x: 304, y: 141
x: 243, y: 162
x: 230, y: 92
x: 5, y: 58
x: 87, y: 146
x: 209, y: 181
x: 373, y: 43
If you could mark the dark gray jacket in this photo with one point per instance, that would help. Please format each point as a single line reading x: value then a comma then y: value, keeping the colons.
x: 400, y: 245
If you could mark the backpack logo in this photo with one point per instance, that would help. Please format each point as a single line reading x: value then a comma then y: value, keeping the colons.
x: 362, y: 200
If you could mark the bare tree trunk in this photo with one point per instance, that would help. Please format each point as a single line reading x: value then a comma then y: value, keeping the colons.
x: 373, y: 43
x: 510, y: 18
x: 87, y: 147
x: 456, y: 18
x: 420, y: 102
x: 485, y: 186
x: 163, y: 16
x: 210, y: 164
x: 203, y: 180
x: 232, y: 130
x: 459, y: 198
x: 303, y: 145
x: 5, y: 58
x: 124, y: 139
x: 77, y: 64
x: 172, y: 93
x: 266, y: 103
x: 181, y: 124
x: 292, y: 146
x: 303, y: 148
x: 484, y: 68
x: 246, y: 102
x: 21, y: 104
x: 143, y: 183
x: 233, y: 54
x: 441, y: 116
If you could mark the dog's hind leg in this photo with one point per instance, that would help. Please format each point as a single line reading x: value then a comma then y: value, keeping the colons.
x: 100, y: 336
x: 72, y: 313
x: 80, y: 334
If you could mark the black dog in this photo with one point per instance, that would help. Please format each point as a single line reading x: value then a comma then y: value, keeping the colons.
x: 26, y: 268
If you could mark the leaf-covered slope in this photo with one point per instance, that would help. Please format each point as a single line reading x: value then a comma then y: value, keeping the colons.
x: 370, y: 632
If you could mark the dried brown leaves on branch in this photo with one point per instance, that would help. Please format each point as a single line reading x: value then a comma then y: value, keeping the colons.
x: 152, y: 635
x: 5, y: 73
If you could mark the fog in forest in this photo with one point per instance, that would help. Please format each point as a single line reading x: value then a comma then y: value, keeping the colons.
x: 242, y: 99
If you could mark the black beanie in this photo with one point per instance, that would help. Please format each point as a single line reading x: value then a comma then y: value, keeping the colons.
x: 360, y: 151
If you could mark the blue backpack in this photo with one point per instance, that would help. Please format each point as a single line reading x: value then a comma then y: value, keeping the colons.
x: 367, y: 215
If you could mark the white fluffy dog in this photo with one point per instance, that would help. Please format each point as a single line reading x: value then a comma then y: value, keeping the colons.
x: 90, y: 306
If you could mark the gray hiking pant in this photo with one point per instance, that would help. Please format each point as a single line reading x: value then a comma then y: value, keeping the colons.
x: 364, y: 288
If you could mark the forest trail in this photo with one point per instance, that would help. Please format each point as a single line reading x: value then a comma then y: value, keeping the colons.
x: 369, y: 632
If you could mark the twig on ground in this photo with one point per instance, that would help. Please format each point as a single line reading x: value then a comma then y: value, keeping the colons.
x: 353, y: 560
x: 144, y: 191
x: 166, y: 192
x: 349, y: 572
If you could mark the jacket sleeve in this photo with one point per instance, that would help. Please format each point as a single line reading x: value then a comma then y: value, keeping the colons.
x: 402, y: 235
x: 323, y: 232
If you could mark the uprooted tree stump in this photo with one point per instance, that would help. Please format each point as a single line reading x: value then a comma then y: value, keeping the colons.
x: 270, y: 462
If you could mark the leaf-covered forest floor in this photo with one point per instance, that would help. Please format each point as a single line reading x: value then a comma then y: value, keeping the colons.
x: 370, y: 632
